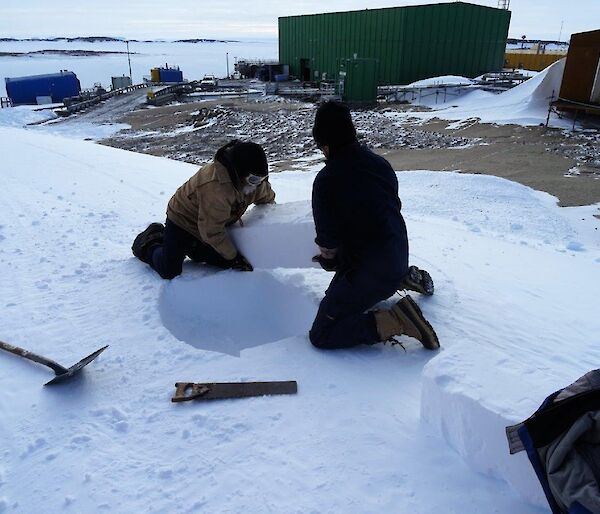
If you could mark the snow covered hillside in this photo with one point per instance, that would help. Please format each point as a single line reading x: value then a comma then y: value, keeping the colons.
x: 371, y: 430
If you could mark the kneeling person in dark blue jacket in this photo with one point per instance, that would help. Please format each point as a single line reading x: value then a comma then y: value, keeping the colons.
x: 362, y: 237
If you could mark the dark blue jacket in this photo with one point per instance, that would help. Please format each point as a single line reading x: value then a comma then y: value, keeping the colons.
x: 357, y: 210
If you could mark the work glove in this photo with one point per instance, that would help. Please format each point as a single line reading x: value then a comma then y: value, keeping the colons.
x: 326, y: 264
x: 240, y: 263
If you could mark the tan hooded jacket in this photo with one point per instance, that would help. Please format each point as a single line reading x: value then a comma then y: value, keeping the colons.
x: 209, y: 201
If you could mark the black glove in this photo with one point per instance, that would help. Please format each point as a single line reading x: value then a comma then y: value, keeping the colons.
x: 326, y: 264
x: 240, y: 263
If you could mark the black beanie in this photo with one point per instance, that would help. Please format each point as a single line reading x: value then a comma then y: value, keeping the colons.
x: 333, y: 125
x: 249, y: 159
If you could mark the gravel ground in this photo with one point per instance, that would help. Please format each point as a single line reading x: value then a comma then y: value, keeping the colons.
x: 563, y: 163
x: 192, y: 132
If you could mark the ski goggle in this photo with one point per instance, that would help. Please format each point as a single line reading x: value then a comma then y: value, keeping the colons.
x: 255, y: 180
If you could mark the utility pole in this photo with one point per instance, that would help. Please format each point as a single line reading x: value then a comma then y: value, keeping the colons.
x: 561, y: 29
x: 129, y: 60
x: 227, y: 59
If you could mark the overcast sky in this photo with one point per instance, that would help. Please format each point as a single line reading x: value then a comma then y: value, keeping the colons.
x: 150, y: 19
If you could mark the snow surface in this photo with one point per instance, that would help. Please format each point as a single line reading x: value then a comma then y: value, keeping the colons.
x: 25, y: 115
x: 372, y: 429
x: 525, y: 104
x: 95, y: 124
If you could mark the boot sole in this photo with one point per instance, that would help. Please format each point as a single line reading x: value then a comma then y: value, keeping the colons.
x: 430, y: 338
x: 153, y: 234
x: 426, y: 282
x: 418, y: 280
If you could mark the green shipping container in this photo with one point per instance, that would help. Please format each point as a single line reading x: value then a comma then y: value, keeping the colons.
x: 358, y: 81
x: 410, y: 43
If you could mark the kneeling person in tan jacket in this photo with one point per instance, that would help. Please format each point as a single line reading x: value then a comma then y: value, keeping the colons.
x: 200, y: 211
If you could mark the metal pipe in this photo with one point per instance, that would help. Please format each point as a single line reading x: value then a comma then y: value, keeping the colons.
x: 129, y: 61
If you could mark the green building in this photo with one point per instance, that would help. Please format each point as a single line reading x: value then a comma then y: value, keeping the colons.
x: 396, y: 45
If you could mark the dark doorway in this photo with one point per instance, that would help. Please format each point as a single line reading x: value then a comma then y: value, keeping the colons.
x: 305, y: 70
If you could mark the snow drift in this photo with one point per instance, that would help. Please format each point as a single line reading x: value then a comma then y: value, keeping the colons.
x: 444, y: 80
x: 525, y: 104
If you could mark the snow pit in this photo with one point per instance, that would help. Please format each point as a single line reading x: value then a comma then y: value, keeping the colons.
x: 230, y: 311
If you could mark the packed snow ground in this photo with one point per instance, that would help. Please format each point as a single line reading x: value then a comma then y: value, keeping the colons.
x: 516, y: 279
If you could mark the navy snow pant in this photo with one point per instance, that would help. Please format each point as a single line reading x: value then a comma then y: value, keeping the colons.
x: 341, y: 321
x: 167, y: 259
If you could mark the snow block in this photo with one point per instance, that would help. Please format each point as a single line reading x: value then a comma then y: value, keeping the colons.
x: 471, y: 412
x: 278, y: 236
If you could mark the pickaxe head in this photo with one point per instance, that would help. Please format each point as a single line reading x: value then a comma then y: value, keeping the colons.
x: 76, y: 368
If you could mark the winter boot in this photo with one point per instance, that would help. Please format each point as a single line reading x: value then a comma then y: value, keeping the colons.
x: 418, y: 280
x: 145, y: 240
x: 405, y: 318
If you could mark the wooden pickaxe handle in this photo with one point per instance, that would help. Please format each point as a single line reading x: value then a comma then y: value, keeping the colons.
x: 21, y: 352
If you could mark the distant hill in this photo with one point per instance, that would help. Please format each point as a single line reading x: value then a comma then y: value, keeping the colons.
x: 89, y: 39
x: 108, y: 39
x: 204, y: 41
x: 72, y: 53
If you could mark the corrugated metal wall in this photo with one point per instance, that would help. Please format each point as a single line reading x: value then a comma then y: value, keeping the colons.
x: 529, y: 61
x: 411, y: 43
x: 583, y: 62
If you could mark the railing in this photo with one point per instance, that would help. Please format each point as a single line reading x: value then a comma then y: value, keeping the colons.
x: 168, y: 93
x: 5, y: 102
x: 76, y: 106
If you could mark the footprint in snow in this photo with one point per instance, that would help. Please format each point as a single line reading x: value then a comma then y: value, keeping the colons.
x: 575, y: 246
x: 39, y: 443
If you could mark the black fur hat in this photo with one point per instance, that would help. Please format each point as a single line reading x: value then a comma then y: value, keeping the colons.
x: 249, y: 159
x: 333, y: 125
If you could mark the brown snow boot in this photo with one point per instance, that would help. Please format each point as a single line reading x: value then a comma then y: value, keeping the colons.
x: 405, y: 318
